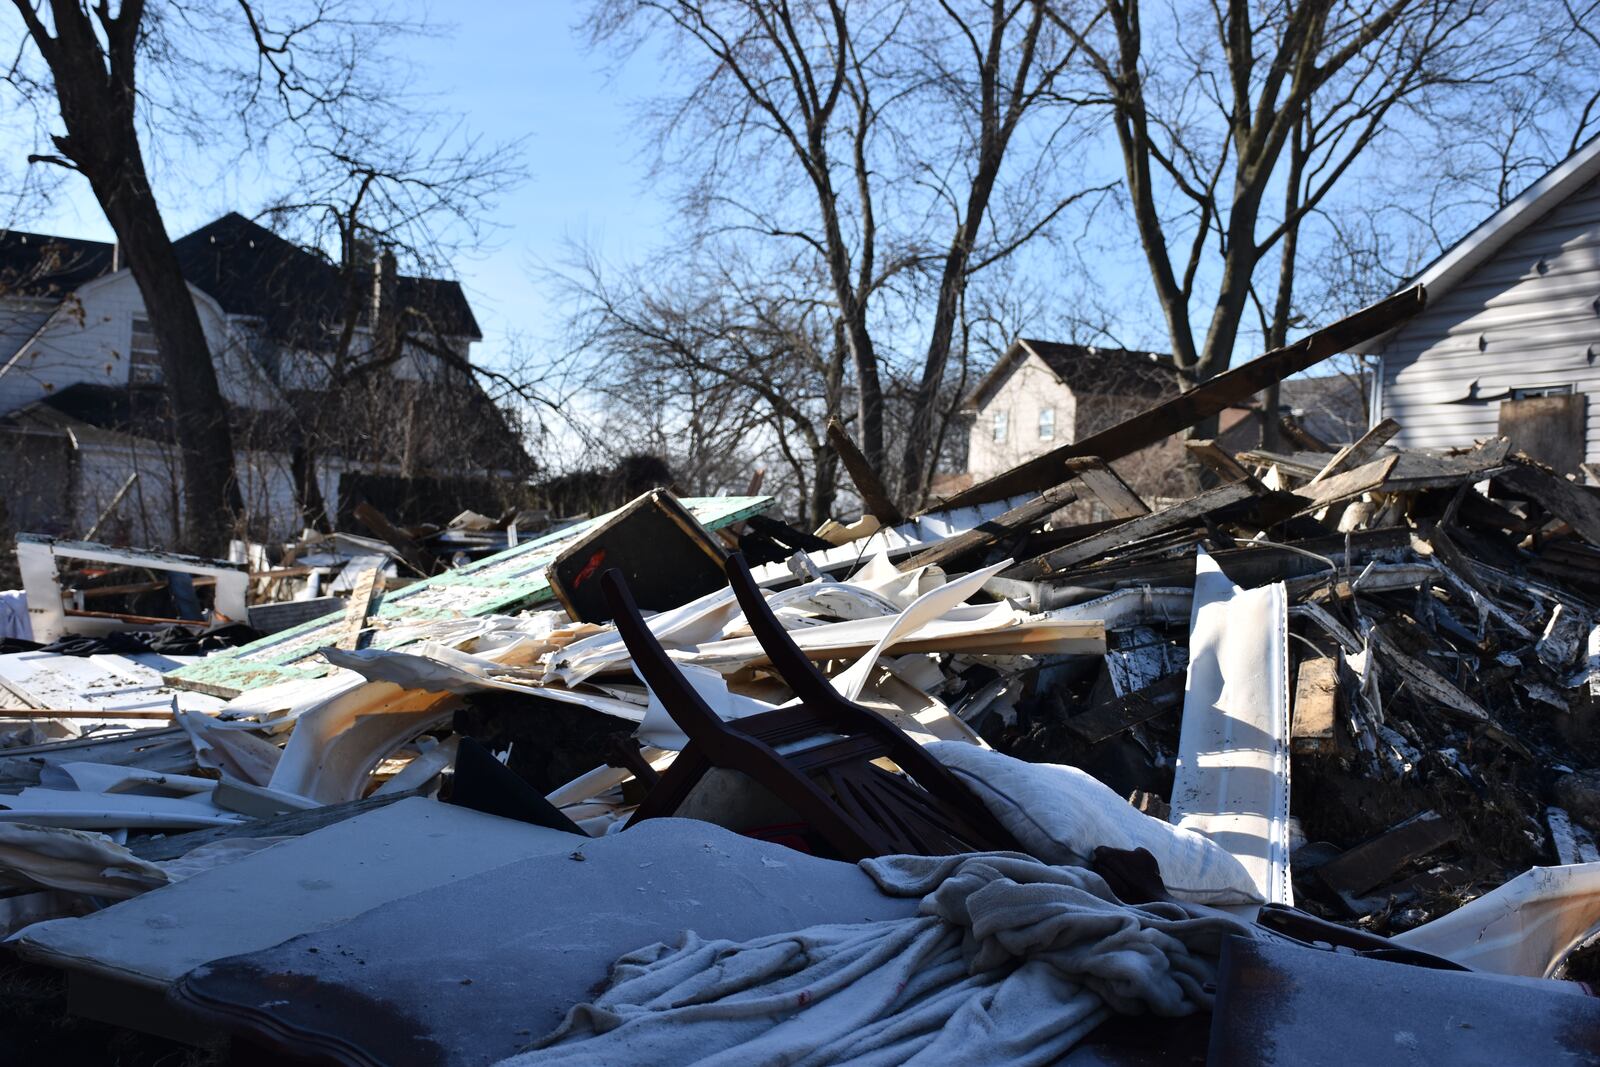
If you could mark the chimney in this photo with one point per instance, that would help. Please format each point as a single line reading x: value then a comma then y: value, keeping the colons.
x: 385, y: 319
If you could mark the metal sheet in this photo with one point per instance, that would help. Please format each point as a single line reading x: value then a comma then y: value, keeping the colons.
x: 1232, y: 780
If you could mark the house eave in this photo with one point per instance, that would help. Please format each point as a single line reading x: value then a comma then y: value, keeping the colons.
x: 1495, y: 232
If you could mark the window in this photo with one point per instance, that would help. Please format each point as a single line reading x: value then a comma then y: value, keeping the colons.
x: 1047, y: 424
x: 1541, y: 390
x: 999, y: 427
x: 144, y: 357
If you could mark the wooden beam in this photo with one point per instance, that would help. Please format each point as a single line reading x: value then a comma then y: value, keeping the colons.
x: 1577, y: 505
x: 93, y: 714
x: 1207, y: 399
x: 1368, y: 864
x: 1113, y: 492
x: 1184, y: 514
x: 1315, y: 722
x: 1301, y: 436
x: 416, y: 557
x: 1116, y: 715
x: 874, y: 497
x: 1355, y: 454
x: 362, y: 601
x: 1218, y: 459
x: 1014, y: 521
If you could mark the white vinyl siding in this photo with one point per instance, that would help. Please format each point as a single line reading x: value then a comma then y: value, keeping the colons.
x: 1527, y: 320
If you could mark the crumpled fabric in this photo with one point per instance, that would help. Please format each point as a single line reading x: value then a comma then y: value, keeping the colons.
x: 167, y: 641
x: 1061, y: 814
x: 1010, y: 961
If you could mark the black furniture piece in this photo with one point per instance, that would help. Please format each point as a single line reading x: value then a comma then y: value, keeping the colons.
x: 815, y: 757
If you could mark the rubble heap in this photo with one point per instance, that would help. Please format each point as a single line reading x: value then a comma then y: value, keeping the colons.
x: 978, y: 783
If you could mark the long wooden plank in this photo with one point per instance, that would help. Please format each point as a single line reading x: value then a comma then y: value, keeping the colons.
x: 1144, y: 526
x: 1358, y: 452
x: 1218, y: 459
x: 1203, y: 401
x: 417, y: 558
x: 1314, y: 721
x: 874, y: 497
x: 1405, y: 472
x: 356, y: 612
x: 1114, y: 716
x: 1121, y: 501
x: 1575, y: 504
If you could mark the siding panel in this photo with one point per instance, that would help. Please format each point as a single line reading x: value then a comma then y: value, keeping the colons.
x: 1529, y: 316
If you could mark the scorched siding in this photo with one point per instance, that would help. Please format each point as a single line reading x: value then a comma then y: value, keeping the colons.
x: 1528, y: 317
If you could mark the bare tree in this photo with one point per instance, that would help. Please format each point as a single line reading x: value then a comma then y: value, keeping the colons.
x: 1288, y: 96
x: 313, y: 91
x: 92, y: 58
x: 722, y: 367
x: 895, y: 150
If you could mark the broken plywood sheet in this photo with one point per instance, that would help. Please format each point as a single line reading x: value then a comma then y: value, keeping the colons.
x: 504, y: 582
x: 292, y: 888
x: 104, y: 682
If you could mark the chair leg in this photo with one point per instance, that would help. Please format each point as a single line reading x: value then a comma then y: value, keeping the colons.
x: 668, y: 795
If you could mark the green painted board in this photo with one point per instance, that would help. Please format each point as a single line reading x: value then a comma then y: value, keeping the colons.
x: 505, y: 582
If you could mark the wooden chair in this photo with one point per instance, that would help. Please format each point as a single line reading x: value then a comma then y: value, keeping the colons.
x: 816, y: 757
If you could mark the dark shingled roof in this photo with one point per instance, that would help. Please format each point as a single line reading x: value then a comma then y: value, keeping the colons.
x: 252, y: 271
x: 36, y: 264
x: 247, y: 269
x: 1088, y: 370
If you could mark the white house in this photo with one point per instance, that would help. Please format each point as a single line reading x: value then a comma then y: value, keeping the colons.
x: 1510, y: 338
x: 1043, y: 394
x: 82, y: 405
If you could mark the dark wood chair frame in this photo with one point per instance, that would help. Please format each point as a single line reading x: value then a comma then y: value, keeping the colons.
x: 864, y: 810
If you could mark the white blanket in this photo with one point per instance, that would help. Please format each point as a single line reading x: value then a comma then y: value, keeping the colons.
x: 1011, y: 961
x: 1060, y: 814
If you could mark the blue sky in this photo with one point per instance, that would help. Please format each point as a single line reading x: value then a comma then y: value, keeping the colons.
x: 511, y: 70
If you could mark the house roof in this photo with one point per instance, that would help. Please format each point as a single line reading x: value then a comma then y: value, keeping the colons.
x: 1087, y: 370
x: 1331, y: 407
x: 1458, y: 261
x: 248, y: 269
x: 39, y: 265
x: 252, y: 271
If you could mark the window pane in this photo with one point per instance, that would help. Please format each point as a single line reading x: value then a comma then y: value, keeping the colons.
x: 999, y: 426
x: 1047, y: 424
x: 144, y: 356
x: 1541, y: 390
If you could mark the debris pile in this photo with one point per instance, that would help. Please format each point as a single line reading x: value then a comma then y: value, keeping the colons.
x: 729, y: 787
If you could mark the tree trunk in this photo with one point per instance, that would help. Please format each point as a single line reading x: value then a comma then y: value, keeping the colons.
x: 94, y: 85
x: 211, y: 500
x: 824, y: 485
x: 307, y: 490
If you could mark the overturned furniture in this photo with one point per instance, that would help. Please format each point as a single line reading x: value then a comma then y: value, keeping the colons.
x: 816, y: 757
